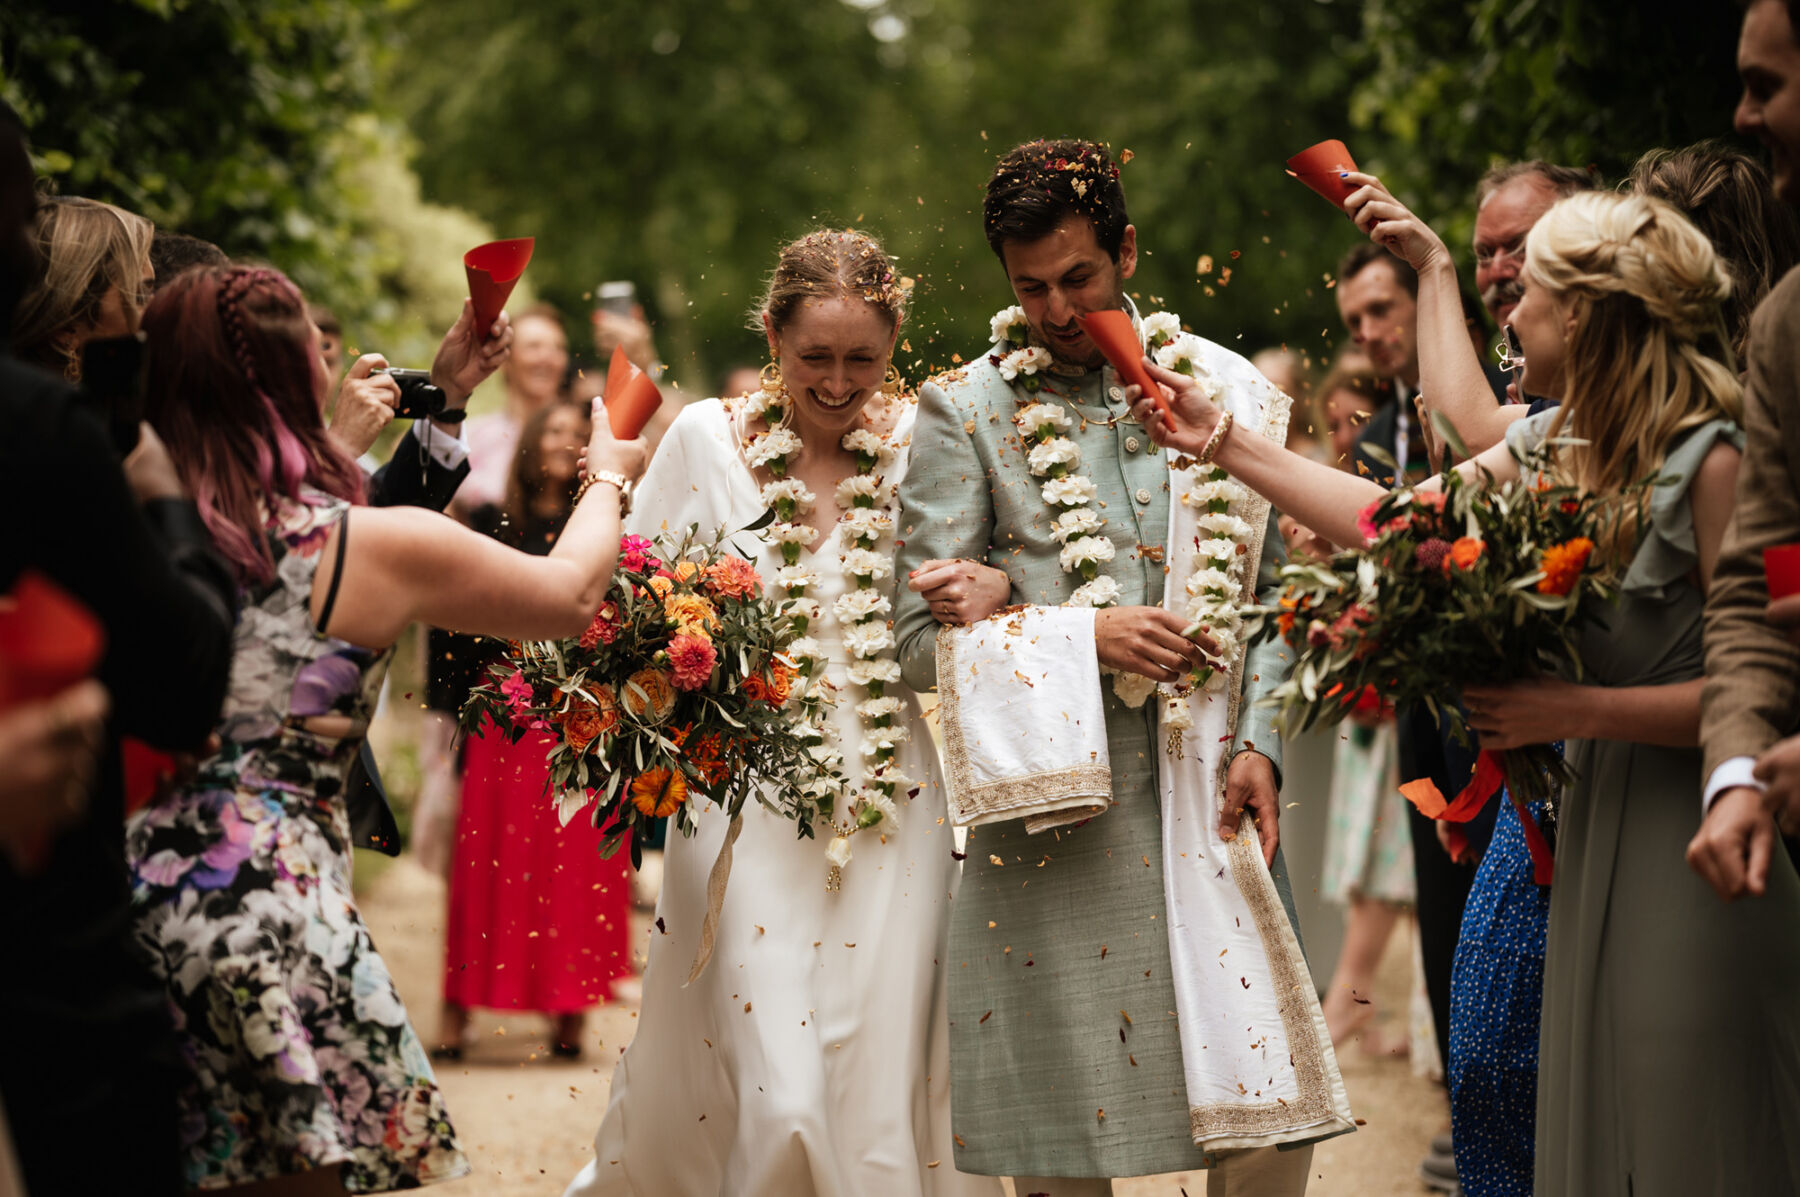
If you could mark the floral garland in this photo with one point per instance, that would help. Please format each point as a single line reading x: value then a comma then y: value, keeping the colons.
x: 866, y: 502
x: 1215, y: 583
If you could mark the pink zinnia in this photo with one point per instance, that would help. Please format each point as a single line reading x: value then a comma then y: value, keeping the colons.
x: 1365, y: 522
x: 691, y: 659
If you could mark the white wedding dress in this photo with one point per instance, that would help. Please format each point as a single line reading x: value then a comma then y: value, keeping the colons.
x: 811, y: 1057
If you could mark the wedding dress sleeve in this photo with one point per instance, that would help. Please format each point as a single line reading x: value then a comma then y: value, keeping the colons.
x: 689, y: 482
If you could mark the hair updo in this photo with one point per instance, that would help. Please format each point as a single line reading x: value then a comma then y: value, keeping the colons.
x: 1648, y: 357
x: 832, y: 264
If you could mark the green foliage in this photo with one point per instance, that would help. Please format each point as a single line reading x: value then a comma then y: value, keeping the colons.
x: 680, y: 144
x: 1454, y: 86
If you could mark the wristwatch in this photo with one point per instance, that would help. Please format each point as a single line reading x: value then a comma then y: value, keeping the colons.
x: 614, y: 478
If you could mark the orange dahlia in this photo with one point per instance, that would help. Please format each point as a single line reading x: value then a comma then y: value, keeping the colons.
x: 658, y: 793
x: 1562, y: 564
x: 733, y: 576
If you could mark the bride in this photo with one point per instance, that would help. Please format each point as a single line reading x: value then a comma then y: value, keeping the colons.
x: 811, y: 1055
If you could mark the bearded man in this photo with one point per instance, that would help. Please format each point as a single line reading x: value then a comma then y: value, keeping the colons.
x: 1111, y: 873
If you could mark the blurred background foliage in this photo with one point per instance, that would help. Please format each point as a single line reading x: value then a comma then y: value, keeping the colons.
x: 364, y: 144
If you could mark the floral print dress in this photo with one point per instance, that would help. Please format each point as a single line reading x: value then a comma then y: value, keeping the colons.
x: 298, y: 1047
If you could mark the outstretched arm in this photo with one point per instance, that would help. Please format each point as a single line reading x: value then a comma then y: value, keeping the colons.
x: 407, y: 564
x: 1326, y: 500
x: 946, y: 512
x: 1450, y: 376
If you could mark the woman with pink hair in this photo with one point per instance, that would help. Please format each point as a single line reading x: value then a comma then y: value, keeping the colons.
x: 306, y: 1076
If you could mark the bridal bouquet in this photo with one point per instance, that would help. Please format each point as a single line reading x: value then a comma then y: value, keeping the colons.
x: 680, y: 690
x: 1475, y: 584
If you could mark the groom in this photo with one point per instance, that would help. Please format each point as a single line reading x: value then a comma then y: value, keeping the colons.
x: 1066, y: 1067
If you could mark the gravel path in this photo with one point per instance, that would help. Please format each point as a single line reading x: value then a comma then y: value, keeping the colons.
x: 527, y: 1121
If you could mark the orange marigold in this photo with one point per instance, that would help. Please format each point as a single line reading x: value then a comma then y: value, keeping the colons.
x: 658, y: 793
x: 1466, y: 552
x: 648, y: 694
x: 1562, y: 564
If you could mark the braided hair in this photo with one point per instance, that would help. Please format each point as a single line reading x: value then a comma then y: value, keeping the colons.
x: 234, y: 386
x: 1648, y: 357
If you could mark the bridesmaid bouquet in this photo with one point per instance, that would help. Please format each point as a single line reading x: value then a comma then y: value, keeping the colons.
x: 1476, y: 584
x: 680, y: 690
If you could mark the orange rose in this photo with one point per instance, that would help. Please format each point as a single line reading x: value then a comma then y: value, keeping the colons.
x: 658, y: 793
x: 781, y: 683
x: 1563, y: 564
x: 686, y: 570
x: 755, y: 689
x: 691, y: 615
x: 661, y: 585
x: 584, y: 721
x: 649, y: 695
x: 1466, y: 552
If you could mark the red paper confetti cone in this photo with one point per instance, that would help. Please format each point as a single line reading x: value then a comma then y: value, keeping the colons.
x: 1782, y: 565
x: 48, y: 641
x: 631, y: 398
x: 493, y: 271
x: 1319, y: 167
x: 1112, y: 332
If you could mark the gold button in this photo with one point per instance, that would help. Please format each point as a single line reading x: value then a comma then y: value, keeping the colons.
x: 1131, y: 444
x: 1143, y: 496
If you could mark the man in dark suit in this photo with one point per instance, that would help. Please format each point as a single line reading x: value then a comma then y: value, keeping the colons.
x: 1750, y: 708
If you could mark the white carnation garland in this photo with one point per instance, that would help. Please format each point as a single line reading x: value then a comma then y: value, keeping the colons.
x: 866, y: 501
x: 1215, y: 583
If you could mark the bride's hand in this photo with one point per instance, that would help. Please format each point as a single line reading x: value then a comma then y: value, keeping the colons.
x: 1391, y: 224
x: 1195, y: 414
x: 960, y: 591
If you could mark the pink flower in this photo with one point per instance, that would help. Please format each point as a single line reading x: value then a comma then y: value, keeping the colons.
x: 518, y: 698
x: 691, y: 659
x: 1433, y: 499
x: 634, y: 554
x: 1365, y: 522
x: 604, y: 629
x: 1433, y: 554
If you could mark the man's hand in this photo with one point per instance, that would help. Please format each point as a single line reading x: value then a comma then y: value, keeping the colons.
x: 1784, y: 613
x: 1732, y: 848
x: 1147, y: 641
x: 1250, y: 782
x: 365, y: 403
x: 467, y: 355
x: 1779, y: 769
x: 48, y: 751
x: 960, y: 591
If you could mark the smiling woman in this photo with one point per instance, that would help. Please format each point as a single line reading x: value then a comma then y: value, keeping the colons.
x: 95, y: 282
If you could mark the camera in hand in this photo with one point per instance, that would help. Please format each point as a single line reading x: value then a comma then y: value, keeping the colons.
x: 420, y: 398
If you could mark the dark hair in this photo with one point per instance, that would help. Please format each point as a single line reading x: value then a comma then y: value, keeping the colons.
x: 229, y: 378
x: 1728, y: 196
x: 1563, y: 181
x: 1378, y: 391
x: 829, y: 264
x: 1040, y: 184
x: 171, y: 253
x: 1367, y: 253
x: 526, y: 480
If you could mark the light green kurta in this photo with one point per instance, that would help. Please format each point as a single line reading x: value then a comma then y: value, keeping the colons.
x: 1065, y: 1058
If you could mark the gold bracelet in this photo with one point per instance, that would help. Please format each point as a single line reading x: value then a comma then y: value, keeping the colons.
x: 611, y: 478
x: 1217, y: 439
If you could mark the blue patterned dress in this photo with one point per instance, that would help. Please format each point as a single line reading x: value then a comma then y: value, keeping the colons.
x: 1496, y: 992
x: 299, y: 1052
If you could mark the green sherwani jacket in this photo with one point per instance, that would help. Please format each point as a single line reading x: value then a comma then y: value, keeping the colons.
x: 1065, y: 1059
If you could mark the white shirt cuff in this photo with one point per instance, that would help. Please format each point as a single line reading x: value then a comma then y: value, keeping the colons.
x: 1731, y: 773
x: 448, y: 450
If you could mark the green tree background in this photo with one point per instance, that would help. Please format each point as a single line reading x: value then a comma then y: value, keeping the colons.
x: 363, y: 144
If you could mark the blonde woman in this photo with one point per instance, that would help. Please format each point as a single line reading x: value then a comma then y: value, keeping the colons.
x: 1670, y: 1043
x: 95, y: 282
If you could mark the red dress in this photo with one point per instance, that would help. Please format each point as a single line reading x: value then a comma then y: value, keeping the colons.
x: 537, y: 920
